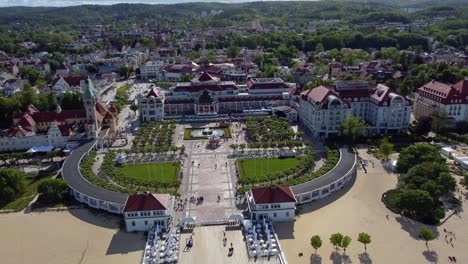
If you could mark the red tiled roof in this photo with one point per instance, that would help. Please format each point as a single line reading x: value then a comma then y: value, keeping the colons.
x: 445, y: 93
x: 205, y: 77
x: 198, y: 88
x: 101, y: 108
x: 108, y: 116
x: 65, y: 129
x: 17, y: 132
x: 273, y: 194
x: 26, y: 121
x: 143, y: 202
x: 112, y: 108
x: 318, y: 94
x: 462, y: 87
x: 273, y: 84
x: 40, y: 117
x: 153, y: 92
x: 73, y: 81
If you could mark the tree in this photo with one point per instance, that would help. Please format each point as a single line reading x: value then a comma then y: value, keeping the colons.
x: 232, y: 52
x: 426, y: 234
x: 423, y: 126
x: 316, y: 242
x: 134, y: 107
x: 386, y: 148
x: 12, y: 184
x: 416, y: 154
x: 433, y: 177
x: 345, y: 242
x: 352, y: 127
x: 335, y: 240
x: 52, y: 190
x: 365, y: 239
x: 185, y: 78
x: 415, y: 202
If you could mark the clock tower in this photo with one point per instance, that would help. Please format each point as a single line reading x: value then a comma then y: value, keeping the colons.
x: 89, y: 102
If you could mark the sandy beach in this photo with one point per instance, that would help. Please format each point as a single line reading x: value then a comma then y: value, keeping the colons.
x: 358, y: 208
x: 75, y: 236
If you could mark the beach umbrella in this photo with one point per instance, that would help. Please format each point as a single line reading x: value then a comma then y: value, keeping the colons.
x: 153, y: 251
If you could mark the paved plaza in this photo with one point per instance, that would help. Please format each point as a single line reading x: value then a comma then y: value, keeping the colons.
x: 208, y: 247
x: 209, y: 175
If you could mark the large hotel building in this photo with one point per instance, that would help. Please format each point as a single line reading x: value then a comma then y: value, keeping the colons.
x: 320, y: 109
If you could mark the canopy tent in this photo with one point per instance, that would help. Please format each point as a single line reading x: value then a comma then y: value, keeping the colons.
x: 236, y: 217
x: 37, y: 149
x: 189, y: 219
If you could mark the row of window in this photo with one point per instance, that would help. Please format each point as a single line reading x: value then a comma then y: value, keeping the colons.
x: 146, y: 213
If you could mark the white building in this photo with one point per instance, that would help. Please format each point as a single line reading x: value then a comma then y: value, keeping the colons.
x: 69, y: 84
x: 152, y: 70
x: 275, y: 203
x: 434, y: 97
x: 322, y: 109
x: 142, y: 211
x: 151, y: 104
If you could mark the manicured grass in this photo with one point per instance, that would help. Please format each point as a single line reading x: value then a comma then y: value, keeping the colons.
x: 31, y: 191
x: 259, y: 170
x: 166, y: 174
x: 188, y: 136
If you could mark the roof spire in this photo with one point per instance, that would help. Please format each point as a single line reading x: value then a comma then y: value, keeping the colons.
x: 89, y: 90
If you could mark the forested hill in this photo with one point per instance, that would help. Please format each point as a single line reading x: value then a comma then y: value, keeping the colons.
x: 187, y: 15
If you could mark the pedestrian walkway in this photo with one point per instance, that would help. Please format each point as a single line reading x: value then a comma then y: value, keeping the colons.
x: 210, y: 177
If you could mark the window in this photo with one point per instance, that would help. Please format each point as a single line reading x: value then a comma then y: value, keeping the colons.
x: 274, y: 215
x: 287, y: 214
x: 274, y: 206
x: 146, y: 222
x: 133, y: 223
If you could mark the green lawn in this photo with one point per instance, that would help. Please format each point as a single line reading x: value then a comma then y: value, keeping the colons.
x: 259, y: 170
x: 21, y: 202
x: 157, y: 173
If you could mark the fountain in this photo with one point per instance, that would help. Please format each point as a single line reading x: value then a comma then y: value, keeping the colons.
x: 206, y: 132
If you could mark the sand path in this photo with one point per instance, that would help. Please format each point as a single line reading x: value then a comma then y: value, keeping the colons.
x: 76, y: 236
x: 359, y: 209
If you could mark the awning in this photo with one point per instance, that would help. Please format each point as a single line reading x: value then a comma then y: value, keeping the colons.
x: 236, y: 217
x: 189, y: 219
x: 36, y: 149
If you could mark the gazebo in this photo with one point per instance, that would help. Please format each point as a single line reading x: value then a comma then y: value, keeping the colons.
x: 214, y: 140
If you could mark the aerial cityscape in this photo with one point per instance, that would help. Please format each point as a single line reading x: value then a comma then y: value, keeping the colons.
x: 233, y: 131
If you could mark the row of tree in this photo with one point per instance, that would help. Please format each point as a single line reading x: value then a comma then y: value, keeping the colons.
x: 338, y: 240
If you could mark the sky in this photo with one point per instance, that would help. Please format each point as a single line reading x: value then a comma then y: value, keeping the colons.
x: 106, y: 2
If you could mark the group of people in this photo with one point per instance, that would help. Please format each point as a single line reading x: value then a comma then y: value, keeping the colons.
x: 231, y: 249
x: 181, y: 204
x: 197, y: 201
x: 449, y: 236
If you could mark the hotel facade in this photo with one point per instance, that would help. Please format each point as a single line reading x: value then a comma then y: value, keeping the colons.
x: 320, y: 110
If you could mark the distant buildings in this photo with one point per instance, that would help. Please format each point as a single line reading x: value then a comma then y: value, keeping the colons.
x: 322, y: 109
x: 436, y: 97
x: 57, y: 128
x: 275, y: 203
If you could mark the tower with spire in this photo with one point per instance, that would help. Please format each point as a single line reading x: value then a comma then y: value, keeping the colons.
x: 89, y: 101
